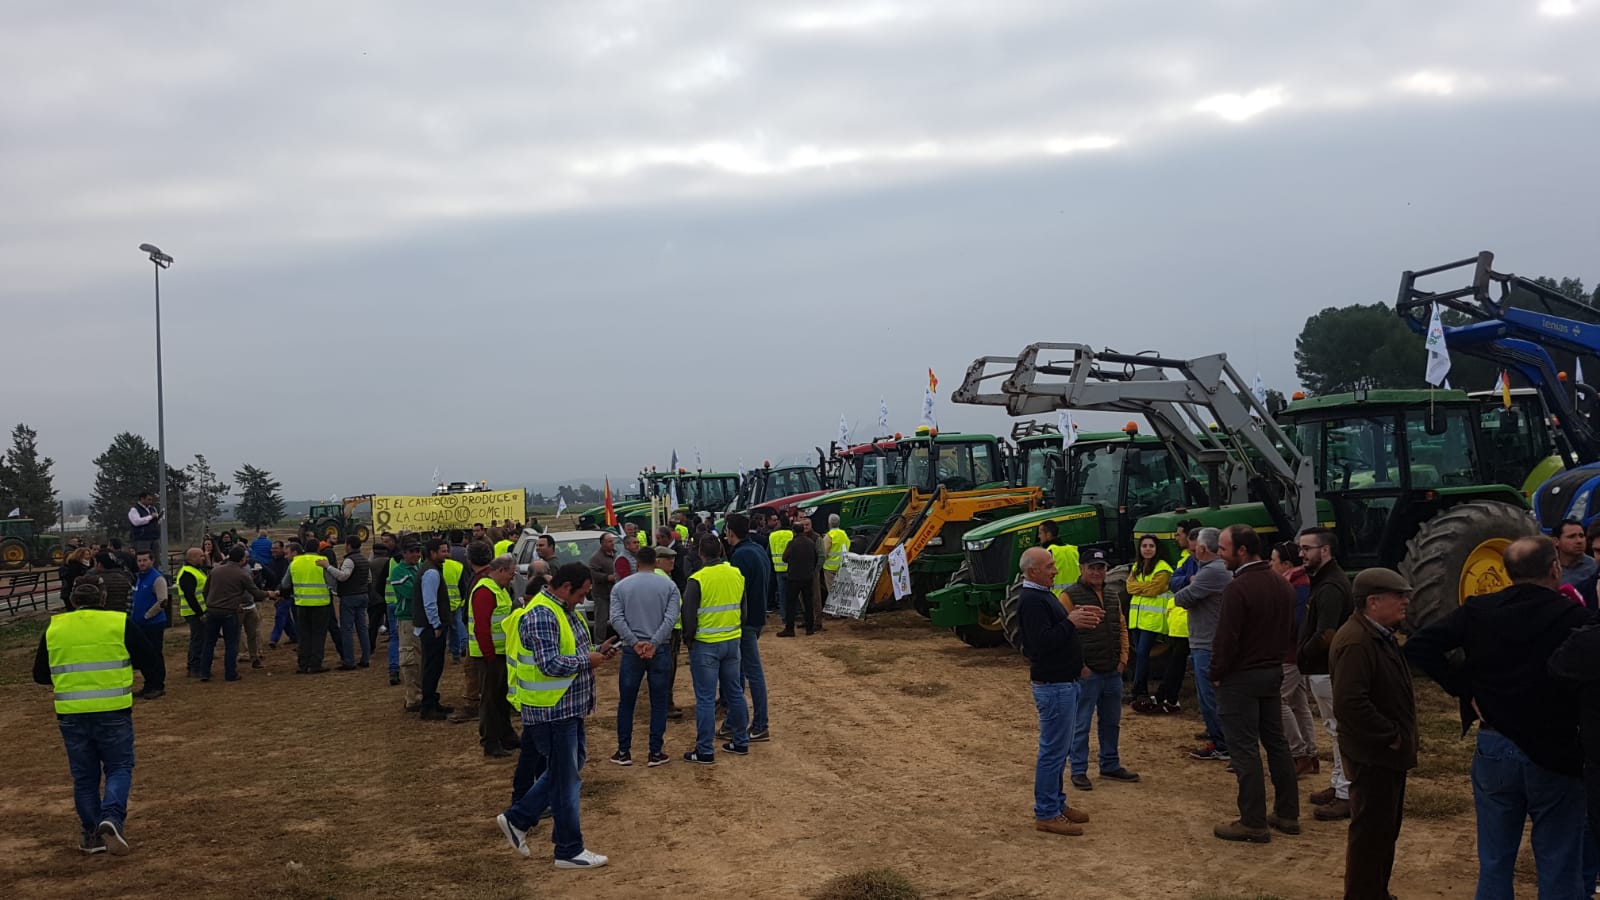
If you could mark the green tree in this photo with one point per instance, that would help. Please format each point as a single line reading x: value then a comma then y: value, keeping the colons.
x: 260, y: 497
x: 25, y: 479
x: 204, y: 494
x: 1342, y: 347
x: 127, y: 467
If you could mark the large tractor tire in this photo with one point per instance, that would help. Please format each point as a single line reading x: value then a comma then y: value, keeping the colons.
x: 1008, y: 615
x: 987, y: 631
x: 330, y: 530
x: 13, y: 554
x: 57, y: 556
x: 1457, y: 554
x: 364, y: 532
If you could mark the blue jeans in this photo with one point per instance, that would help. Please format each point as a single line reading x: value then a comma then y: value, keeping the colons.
x: 99, y: 743
x: 1058, y: 718
x: 283, y: 622
x: 751, y: 673
x: 712, y: 666
x: 394, y: 643
x: 353, y: 617
x: 1507, y: 789
x: 1100, y: 692
x: 458, y: 644
x: 777, y: 600
x: 563, y: 746
x: 630, y: 675
x: 225, y: 624
x: 1143, y: 643
x: 1207, y: 694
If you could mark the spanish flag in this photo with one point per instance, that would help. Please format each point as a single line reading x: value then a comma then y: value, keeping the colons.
x: 933, y: 382
x: 611, y: 512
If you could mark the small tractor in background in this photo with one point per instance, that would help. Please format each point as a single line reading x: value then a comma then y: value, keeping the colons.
x: 21, y: 544
x: 333, y: 522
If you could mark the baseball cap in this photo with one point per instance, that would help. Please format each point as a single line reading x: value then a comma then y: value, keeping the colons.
x: 1378, y: 581
x: 1093, y: 558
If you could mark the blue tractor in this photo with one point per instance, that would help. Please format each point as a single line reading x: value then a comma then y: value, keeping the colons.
x: 1521, y: 338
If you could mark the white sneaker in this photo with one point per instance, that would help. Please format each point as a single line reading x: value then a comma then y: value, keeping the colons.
x: 111, y: 834
x: 514, y: 835
x: 585, y: 860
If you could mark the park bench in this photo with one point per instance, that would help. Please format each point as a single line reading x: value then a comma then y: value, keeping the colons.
x: 25, y: 590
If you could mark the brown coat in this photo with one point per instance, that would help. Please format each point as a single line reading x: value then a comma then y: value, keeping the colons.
x: 1105, y: 646
x: 1372, y: 697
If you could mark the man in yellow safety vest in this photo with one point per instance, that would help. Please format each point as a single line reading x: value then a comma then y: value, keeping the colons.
x: 552, y: 663
x: 838, y: 543
x: 713, y: 620
x: 87, y: 656
x: 778, y: 540
x: 1065, y: 555
x: 489, y: 604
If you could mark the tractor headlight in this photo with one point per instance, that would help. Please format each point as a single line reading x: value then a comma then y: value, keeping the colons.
x: 979, y: 546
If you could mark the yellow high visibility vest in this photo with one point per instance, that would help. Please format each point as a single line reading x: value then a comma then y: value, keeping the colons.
x: 514, y: 651
x: 1150, y: 613
x: 1177, y: 616
x: 838, y: 543
x: 502, y: 609
x: 452, y: 577
x: 310, y: 588
x: 777, y: 542
x: 502, y: 547
x: 533, y: 687
x: 721, y: 603
x: 1067, y: 568
x: 683, y: 532
x: 90, y: 670
x: 200, y: 579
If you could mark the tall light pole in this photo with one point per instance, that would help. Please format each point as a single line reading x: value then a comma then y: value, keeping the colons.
x: 161, y: 261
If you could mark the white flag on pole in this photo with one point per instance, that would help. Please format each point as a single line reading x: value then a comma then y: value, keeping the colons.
x: 1577, y: 370
x: 561, y: 504
x: 1438, y: 353
x: 435, y: 474
x: 673, y: 467
x: 672, y: 493
x: 1069, y: 431
x: 844, y: 432
x: 333, y: 498
x: 697, y: 463
x: 929, y: 418
x: 741, y: 470
x: 15, y: 513
x: 883, y: 415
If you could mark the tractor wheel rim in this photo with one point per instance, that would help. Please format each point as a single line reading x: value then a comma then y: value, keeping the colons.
x: 989, y: 623
x: 1485, y: 571
x: 14, y: 555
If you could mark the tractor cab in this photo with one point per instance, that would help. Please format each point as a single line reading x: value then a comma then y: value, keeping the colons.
x: 870, y: 465
x: 1517, y: 438
x: 957, y: 462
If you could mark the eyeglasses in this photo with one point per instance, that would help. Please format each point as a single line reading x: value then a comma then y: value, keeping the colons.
x: 1306, y: 548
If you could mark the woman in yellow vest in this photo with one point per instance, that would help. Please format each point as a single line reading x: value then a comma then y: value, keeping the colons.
x: 1147, y: 619
x: 87, y: 656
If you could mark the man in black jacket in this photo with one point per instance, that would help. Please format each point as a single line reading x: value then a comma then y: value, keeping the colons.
x: 1327, y: 609
x: 1055, y: 661
x: 1528, y: 761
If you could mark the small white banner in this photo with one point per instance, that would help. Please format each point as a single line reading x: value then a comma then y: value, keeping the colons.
x: 854, y: 585
x: 899, y: 572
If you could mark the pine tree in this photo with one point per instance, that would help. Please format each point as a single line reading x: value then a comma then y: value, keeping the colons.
x: 25, y: 479
x: 204, y: 494
x: 127, y: 468
x: 260, y: 497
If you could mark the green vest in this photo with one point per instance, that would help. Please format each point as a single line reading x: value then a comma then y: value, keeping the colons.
x: 533, y: 687
x: 200, y: 579
x: 1150, y: 613
x: 510, y: 628
x: 1067, y: 569
x: 310, y: 587
x: 502, y: 609
x: 777, y: 542
x: 89, y: 666
x: 838, y: 543
x: 401, y: 589
x: 721, y: 603
x: 452, y: 577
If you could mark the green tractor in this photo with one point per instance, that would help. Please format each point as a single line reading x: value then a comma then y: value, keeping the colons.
x: 961, y: 462
x: 333, y: 522
x: 21, y: 544
x: 698, y: 493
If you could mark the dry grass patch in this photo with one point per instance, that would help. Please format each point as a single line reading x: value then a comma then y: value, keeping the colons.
x: 1423, y: 802
x: 926, y: 689
x: 869, y: 884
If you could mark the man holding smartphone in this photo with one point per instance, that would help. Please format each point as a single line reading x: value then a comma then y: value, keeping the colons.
x: 555, y: 692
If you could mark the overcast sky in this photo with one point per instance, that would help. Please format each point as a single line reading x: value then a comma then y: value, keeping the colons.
x: 534, y: 242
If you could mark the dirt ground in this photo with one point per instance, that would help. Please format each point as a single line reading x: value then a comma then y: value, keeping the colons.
x: 894, y: 746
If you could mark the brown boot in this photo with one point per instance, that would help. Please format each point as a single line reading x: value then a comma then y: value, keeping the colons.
x: 1238, y: 831
x: 1287, y: 826
x: 1323, y: 798
x: 1316, y: 765
x: 1331, y: 812
x: 464, y: 714
x: 1302, y: 766
x: 1058, y: 825
x: 1074, y: 814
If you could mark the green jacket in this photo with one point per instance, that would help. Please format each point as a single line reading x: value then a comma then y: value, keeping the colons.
x: 403, y: 579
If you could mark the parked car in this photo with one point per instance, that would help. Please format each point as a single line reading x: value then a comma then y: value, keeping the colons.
x: 571, y: 546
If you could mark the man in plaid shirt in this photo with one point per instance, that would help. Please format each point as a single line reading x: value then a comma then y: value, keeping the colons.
x: 555, y: 691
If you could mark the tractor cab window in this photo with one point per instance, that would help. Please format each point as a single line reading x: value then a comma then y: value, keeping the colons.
x: 715, y: 493
x: 1353, y: 454
x: 1446, y: 459
x: 868, y: 465
x: 1096, y: 477
x: 958, y: 467
x: 1155, y: 483
x: 1039, y: 465
x: 1515, y: 440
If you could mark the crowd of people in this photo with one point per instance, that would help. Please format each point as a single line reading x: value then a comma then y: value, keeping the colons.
x: 1271, y: 630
